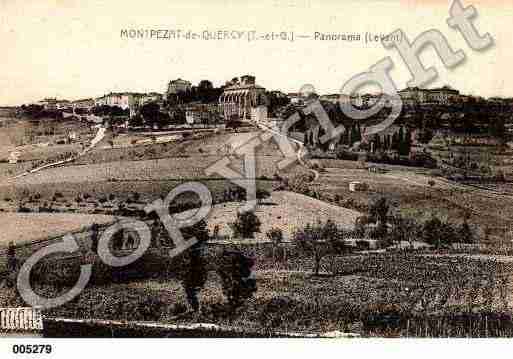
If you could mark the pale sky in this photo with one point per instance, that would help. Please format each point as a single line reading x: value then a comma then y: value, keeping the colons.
x: 73, y: 49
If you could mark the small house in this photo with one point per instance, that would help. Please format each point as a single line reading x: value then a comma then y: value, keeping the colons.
x: 357, y: 186
x: 14, y: 157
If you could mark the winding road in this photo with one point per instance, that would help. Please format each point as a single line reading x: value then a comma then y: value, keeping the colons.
x: 302, y: 149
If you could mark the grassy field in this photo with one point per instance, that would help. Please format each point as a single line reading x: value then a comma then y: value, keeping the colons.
x: 416, y: 194
x: 287, y: 211
x: 159, y: 169
x: 367, y: 292
x: 22, y: 228
x: 89, y: 196
x: 126, y: 147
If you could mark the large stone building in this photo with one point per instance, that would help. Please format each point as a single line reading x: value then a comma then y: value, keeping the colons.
x: 86, y: 103
x: 128, y: 100
x: 442, y: 96
x: 238, y: 99
x: 201, y: 114
x: 150, y: 97
x: 125, y: 100
x: 178, y: 86
x: 54, y: 104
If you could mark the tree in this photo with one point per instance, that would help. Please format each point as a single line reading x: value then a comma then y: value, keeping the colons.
x: 136, y: 121
x: 405, y: 142
x: 118, y: 111
x: 95, y: 237
x: 276, y: 102
x: 236, y: 272
x: 497, y: 128
x: 437, y: 233
x: 403, y: 229
x: 205, y: 85
x: 355, y: 134
x: 378, y: 210
x: 195, y: 275
x: 246, y: 225
x: 33, y: 110
x: 465, y: 233
x: 275, y: 235
x: 11, y: 257
x: 151, y: 113
x: 317, y: 240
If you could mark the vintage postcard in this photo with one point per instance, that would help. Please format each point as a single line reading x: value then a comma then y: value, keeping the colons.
x: 256, y: 169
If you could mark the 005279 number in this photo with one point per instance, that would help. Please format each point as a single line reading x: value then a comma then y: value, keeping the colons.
x: 32, y: 349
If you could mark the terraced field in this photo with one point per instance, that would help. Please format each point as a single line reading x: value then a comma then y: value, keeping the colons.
x: 27, y: 227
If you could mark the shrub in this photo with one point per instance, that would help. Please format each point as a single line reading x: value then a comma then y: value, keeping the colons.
x: 262, y: 193
x: 275, y: 235
x: 246, y: 225
x: 23, y: 209
x: 299, y: 184
x: 363, y: 244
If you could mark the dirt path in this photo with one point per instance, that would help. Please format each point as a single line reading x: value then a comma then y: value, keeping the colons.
x: 300, y: 154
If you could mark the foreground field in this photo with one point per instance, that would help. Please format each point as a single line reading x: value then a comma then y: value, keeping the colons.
x: 372, y: 295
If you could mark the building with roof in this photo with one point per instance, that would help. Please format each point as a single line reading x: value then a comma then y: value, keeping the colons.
x: 86, y: 103
x: 239, y: 98
x: 124, y: 100
x: 442, y: 95
x: 177, y: 86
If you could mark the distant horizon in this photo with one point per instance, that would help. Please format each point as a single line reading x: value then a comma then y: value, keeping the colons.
x: 286, y: 93
x: 73, y: 50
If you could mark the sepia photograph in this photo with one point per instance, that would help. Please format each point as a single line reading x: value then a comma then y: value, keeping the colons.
x: 309, y: 169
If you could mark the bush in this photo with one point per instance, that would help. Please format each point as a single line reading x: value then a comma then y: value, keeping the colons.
x: 299, y: 184
x: 262, y: 193
x: 246, y: 225
x: 275, y: 235
x: 363, y: 245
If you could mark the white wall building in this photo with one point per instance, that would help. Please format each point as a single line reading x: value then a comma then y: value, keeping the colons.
x: 178, y: 86
x: 237, y: 100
